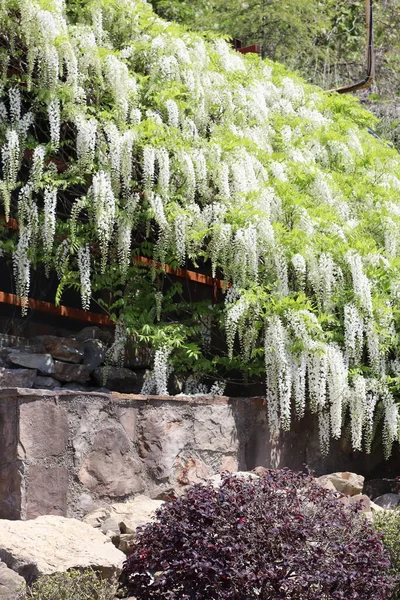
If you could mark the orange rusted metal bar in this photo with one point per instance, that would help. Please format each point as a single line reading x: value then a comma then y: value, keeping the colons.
x: 10, y: 224
x: 183, y: 273
x: 179, y: 272
x: 58, y: 311
x: 253, y: 49
x: 60, y: 164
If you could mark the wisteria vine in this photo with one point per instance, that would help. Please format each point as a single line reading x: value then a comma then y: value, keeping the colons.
x: 207, y: 155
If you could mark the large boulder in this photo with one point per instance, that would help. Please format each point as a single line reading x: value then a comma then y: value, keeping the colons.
x: 135, y: 513
x: 52, y: 544
x: 12, y: 585
x: 344, y: 482
x: 361, y: 499
x: 64, y: 349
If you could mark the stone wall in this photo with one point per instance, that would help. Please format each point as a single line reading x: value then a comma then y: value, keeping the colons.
x: 63, y: 452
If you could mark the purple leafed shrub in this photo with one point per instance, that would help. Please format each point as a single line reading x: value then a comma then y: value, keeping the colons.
x: 281, y: 536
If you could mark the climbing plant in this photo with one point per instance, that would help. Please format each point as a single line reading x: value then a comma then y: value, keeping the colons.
x: 124, y: 135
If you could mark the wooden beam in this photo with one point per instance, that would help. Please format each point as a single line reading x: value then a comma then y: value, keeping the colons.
x: 58, y: 311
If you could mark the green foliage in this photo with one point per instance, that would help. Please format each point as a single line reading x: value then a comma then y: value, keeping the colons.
x: 72, y: 585
x: 388, y: 523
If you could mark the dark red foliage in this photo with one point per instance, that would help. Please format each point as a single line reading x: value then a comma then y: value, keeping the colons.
x: 281, y: 536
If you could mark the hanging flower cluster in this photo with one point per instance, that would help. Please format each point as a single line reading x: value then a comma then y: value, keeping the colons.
x: 144, y: 136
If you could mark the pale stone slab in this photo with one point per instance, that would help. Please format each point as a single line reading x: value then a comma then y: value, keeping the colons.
x: 344, y: 482
x: 130, y: 515
x: 52, y: 544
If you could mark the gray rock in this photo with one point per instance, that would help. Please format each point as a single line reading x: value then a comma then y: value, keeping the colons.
x: 95, y: 352
x: 12, y: 585
x: 63, y: 348
x: 117, y: 379
x: 85, y: 503
x: 46, y: 383
x: 388, y: 501
x: 13, y: 378
x: 42, y: 362
x: 94, y: 333
x: 67, y: 372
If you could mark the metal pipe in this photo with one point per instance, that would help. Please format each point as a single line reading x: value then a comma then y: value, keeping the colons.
x: 370, y: 75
